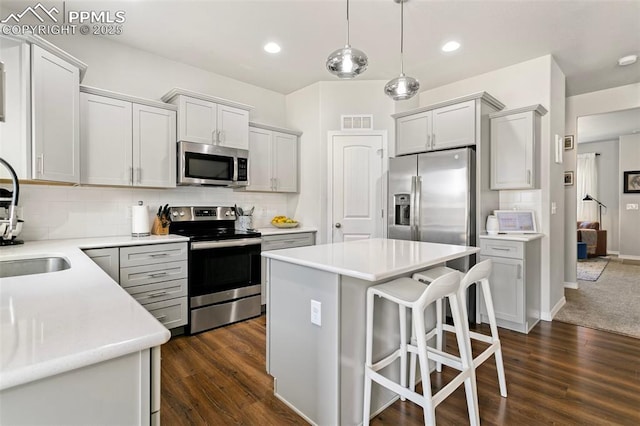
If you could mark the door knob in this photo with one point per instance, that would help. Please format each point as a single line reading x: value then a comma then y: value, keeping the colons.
x: 338, y: 225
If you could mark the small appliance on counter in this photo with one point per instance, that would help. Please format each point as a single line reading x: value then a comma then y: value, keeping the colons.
x: 11, y: 226
x: 140, y: 220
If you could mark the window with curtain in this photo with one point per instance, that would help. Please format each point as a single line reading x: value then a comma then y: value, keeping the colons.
x: 587, y: 183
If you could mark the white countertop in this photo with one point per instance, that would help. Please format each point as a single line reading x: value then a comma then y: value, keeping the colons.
x: 512, y: 237
x: 272, y: 230
x: 371, y: 259
x: 60, y: 321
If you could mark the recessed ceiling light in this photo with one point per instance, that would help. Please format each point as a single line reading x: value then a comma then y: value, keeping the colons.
x: 451, y: 46
x: 272, y: 47
x: 627, y: 60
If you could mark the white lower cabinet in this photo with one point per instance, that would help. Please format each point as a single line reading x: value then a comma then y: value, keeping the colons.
x: 119, y: 391
x: 514, y: 282
x: 282, y: 241
x: 155, y: 275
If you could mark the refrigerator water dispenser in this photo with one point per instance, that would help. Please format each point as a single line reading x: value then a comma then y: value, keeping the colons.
x: 402, y: 204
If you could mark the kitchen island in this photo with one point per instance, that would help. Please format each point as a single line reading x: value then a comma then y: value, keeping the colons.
x: 316, y: 320
x: 75, y: 347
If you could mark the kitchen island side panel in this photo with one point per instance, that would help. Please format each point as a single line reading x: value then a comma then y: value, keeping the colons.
x: 304, y: 357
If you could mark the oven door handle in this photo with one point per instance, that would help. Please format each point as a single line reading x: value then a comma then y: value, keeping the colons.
x: 203, y: 245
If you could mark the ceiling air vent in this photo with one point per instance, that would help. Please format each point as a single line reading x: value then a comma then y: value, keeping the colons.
x: 357, y: 122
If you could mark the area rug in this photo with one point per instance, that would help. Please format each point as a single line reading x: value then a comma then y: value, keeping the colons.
x: 609, y: 304
x: 591, y: 269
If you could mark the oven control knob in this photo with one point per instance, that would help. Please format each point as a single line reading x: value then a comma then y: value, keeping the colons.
x: 174, y: 214
x: 227, y: 213
x: 181, y: 214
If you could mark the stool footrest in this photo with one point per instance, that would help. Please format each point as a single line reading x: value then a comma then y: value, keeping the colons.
x: 386, y: 361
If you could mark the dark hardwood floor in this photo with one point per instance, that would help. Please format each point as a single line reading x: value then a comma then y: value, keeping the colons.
x: 558, y: 374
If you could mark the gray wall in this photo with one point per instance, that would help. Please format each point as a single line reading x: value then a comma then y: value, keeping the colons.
x: 608, y: 183
x: 629, y: 219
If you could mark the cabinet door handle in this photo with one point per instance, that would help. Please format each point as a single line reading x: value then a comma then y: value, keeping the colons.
x: 41, y: 164
x: 519, y: 271
x: 428, y: 141
x: 433, y: 140
x: 221, y: 136
x: 140, y: 175
x: 529, y: 177
x: 159, y: 274
x: 131, y: 175
x: 214, y: 137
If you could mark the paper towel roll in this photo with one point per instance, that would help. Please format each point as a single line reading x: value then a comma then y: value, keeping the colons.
x: 140, y: 221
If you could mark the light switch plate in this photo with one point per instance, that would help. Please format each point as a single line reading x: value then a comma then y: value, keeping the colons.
x: 632, y: 206
x: 316, y: 312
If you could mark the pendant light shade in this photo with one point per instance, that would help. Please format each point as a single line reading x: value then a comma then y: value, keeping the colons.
x: 347, y: 62
x: 402, y: 88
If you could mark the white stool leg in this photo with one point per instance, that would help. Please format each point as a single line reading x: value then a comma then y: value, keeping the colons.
x: 366, y: 411
x: 439, y: 319
x: 464, y: 346
x: 412, y: 357
x: 486, y: 292
x: 402, y: 311
x: 428, y: 407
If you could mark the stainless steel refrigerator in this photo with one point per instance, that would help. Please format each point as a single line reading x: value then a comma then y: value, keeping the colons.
x: 432, y: 198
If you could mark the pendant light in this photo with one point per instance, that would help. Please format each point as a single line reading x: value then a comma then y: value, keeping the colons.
x: 402, y: 88
x: 347, y: 62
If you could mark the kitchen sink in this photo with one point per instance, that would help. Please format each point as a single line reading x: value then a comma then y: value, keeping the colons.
x: 40, y: 265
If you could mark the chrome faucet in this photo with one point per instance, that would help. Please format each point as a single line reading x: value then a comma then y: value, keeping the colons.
x: 11, y: 223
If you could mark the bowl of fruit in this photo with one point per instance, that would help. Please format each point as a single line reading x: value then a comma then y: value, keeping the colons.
x: 284, y: 222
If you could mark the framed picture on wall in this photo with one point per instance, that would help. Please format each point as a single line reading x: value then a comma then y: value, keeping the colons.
x: 631, y: 182
x: 568, y: 142
x: 568, y: 178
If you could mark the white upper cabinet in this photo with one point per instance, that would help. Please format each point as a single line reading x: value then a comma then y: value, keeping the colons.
x: 40, y: 134
x: 273, y: 159
x: 413, y: 133
x: 515, y: 148
x: 449, y: 124
x: 106, y: 139
x: 125, y: 141
x: 55, y: 111
x: 210, y: 120
x: 154, y: 146
x: 454, y: 126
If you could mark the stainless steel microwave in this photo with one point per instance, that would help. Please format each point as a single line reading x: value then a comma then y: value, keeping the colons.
x: 202, y: 164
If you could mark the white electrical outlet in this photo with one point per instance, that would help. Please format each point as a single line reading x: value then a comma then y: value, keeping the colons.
x: 316, y: 312
x: 632, y: 206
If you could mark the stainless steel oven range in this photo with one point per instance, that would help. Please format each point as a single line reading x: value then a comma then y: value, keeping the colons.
x: 224, y: 266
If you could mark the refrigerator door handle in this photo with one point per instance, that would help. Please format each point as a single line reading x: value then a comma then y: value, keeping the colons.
x: 417, y: 190
x: 412, y: 211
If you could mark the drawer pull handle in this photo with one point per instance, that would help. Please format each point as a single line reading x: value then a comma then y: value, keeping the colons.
x: 159, y: 254
x: 159, y: 274
x: 158, y: 293
x: 519, y: 271
x: 501, y: 248
x: 161, y: 317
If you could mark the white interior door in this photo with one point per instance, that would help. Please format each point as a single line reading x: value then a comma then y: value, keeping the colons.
x: 356, y: 185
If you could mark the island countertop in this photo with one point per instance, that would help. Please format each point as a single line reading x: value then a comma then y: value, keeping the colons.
x: 371, y: 259
x: 56, y: 322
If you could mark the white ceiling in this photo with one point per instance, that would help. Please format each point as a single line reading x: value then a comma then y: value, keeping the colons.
x: 609, y: 126
x: 226, y: 37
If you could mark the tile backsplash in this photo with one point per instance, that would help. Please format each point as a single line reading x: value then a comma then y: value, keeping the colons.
x: 523, y: 200
x: 54, y: 212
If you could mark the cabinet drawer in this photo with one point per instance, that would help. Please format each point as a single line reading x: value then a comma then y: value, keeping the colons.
x: 157, y: 292
x: 156, y: 253
x: 275, y: 242
x: 171, y: 313
x: 499, y: 248
x: 148, y: 274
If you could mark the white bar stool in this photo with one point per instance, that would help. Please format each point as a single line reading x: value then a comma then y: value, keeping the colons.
x: 409, y: 293
x: 478, y: 274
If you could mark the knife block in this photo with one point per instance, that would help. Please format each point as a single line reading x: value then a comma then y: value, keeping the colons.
x: 158, y: 229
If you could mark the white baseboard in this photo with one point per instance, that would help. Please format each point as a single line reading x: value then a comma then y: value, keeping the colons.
x: 628, y: 257
x: 548, y: 316
x: 571, y: 285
